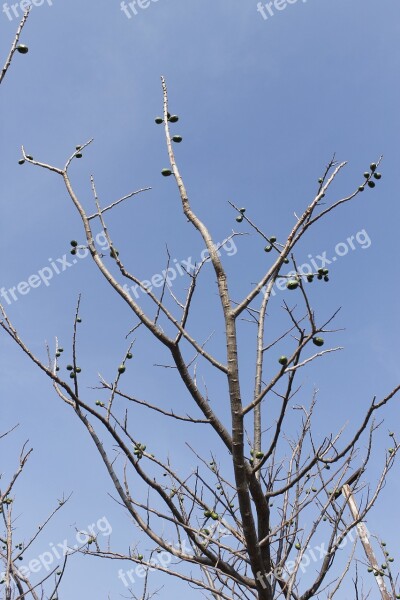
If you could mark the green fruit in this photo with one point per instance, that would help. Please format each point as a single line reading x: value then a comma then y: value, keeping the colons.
x: 61, y: 349
x: 177, y: 139
x: 391, y: 434
x: 318, y: 341
x: 361, y: 188
x: 377, y: 175
x: 286, y: 261
x: 391, y: 450
x: 369, y: 570
x: 72, y: 375
x: 129, y: 355
x: 371, y: 184
x: 320, y: 180
x: 159, y: 120
x: 292, y: 284
x: 73, y: 251
x: 310, y: 278
x: 259, y: 454
x: 57, y: 368
x: 283, y: 360
x: 121, y: 369
x: 78, y: 147
x: 214, y: 516
x: 326, y: 278
x: 390, y: 559
x: 272, y: 239
x: 207, y: 513
x: 242, y: 210
x: 367, y: 174
x: 319, y: 276
x: 58, y: 354
x: 313, y: 489
x: 140, y: 556
x: 79, y: 320
x: 21, y: 161
x: 22, y: 49
x: 373, y: 166
x: 98, y: 402
x: 267, y: 248
x: 297, y: 546
x: 166, y: 172
x: 78, y: 370
x: 74, y: 243
x: 173, y: 118
x: 325, y: 271
x: 239, y: 218
x: 78, y: 155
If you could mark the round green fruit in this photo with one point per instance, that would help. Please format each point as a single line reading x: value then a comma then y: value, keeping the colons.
x: 159, y: 120
x: 286, y: 261
x: 361, y: 188
x: 207, y: 513
x: 326, y: 278
x: 272, y: 239
x: 310, y: 278
x: 373, y: 166
x: 72, y: 375
x: 166, y: 172
x: 214, y: 516
x: 79, y: 320
x: 292, y: 284
x: 79, y: 155
x: 78, y: 370
x: 283, y: 360
x: 320, y: 180
x: 297, y: 546
x: 267, y: 248
x: 129, y: 355
x: 140, y: 556
x: 367, y: 174
x: 371, y: 184
x: 177, y: 139
x: 21, y: 161
x: 78, y: 147
x: 242, y: 210
x: 74, y: 243
x: 22, y: 49
x: 259, y: 454
x: 377, y: 175
x: 73, y: 251
x: 318, y: 341
x: 121, y: 369
x: 239, y: 218
x: 173, y: 119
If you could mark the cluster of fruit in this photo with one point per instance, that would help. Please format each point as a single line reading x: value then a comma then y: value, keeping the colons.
x: 294, y: 282
x: 175, y: 138
x: 370, y: 176
x: 139, y: 449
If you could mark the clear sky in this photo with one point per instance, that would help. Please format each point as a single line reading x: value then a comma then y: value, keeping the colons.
x: 263, y: 105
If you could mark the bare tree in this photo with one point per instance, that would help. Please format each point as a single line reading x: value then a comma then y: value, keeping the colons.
x: 249, y: 531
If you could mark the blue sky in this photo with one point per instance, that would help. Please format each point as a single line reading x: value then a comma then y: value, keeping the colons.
x: 263, y: 105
